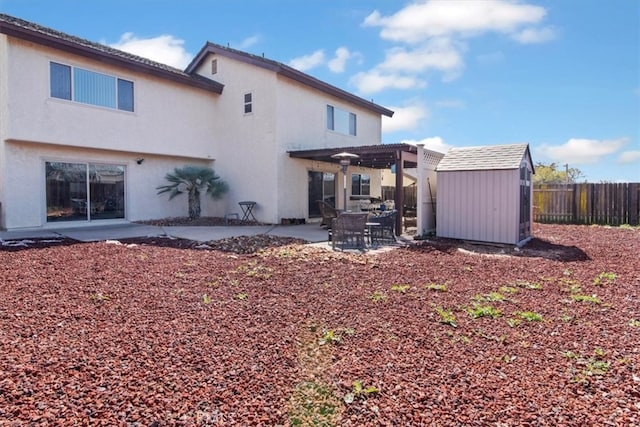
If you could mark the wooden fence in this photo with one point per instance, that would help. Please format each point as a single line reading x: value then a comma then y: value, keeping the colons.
x: 611, y: 204
x: 410, y: 195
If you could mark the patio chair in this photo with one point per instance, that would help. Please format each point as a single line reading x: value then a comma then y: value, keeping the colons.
x: 348, y: 230
x: 328, y: 212
x: 386, y: 231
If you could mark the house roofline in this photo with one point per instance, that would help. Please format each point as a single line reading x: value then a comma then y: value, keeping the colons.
x: 44, y: 36
x: 285, y: 71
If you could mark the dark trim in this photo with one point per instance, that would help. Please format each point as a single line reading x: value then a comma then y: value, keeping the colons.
x: 285, y: 71
x: 27, y: 31
x: 380, y: 156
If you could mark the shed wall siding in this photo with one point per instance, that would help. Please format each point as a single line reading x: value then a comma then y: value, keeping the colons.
x: 478, y: 205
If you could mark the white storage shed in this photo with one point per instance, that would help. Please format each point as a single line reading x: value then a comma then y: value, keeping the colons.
x: 484, y: 194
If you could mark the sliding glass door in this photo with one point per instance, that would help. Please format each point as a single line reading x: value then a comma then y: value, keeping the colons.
x: 322, y: 186
x: 84, y: 191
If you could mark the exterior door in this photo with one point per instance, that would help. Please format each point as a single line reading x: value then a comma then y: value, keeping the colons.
x: 84, y: 191
x: 322, y: 186
x: 525, y: 202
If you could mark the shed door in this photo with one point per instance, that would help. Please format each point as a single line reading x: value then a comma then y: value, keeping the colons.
x: 525, y: 202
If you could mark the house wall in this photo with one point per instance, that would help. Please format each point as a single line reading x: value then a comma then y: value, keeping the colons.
x: 389, y: 178
x: 302, y: 124
x: 479, y: 205
x: 286, y: 116
x: 246, y: 153
x: 169, y: 118
x: 25, y: 178
x: 172, y: 126
x: 4, y: 113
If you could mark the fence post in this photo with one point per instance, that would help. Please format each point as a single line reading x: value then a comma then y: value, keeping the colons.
x: 634, y: 206
x: 574, y: 204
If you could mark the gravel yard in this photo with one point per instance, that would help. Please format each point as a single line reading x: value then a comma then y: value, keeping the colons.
x: 267, y: 331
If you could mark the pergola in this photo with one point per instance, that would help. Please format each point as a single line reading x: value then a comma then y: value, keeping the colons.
x: 375, y: 157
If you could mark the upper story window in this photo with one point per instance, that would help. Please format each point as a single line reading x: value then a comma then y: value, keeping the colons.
x: 341, y: 121
x: 360, y: 184
x: 214, y: 66
x: 89, y: 87
x: 248, y: 103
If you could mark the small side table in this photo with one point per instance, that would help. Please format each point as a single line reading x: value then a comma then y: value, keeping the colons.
x: 247, y: 210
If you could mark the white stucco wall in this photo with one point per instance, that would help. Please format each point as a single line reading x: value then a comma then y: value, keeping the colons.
x: 309, y: 131
x: 4, y: 113
x: 246, y: 143
x: 286, y: 116
x: 169, y: 118
x: 479, y: 205
x: 25, y: 183
x: 172, y: 125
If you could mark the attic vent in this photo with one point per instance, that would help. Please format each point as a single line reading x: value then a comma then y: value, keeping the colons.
x: 214, y: 66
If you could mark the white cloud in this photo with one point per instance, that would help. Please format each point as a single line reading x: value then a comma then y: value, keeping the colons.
x: 249, y: 41
x: 339, y: 62
x: 404, y: 118
x: 374, y: 81
x: 431, y: 34
x: 307, y: 62
x: 402, y: 67
x: 423, y: 20
x: 438, y: 54
x: 632, y: 156
x: 435, y: 143
x: 534, y: 35
x: 583, y: 151
x: 165, y: 49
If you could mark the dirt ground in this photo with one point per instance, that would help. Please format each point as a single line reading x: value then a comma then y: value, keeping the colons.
x: 268, y: 331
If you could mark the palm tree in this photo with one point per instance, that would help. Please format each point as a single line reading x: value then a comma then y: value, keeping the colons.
x: 193, y: 180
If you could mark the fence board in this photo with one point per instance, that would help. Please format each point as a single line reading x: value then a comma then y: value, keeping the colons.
x: 410, y: 194
x: 612, y: 204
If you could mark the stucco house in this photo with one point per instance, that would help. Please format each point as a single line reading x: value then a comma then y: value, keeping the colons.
x: 88, y: 132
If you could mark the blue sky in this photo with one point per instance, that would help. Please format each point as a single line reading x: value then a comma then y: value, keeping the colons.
x: 561, y: 75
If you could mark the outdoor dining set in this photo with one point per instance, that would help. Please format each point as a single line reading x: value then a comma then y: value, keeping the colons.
x: 358, y: 230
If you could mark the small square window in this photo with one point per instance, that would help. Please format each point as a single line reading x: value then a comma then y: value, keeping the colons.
x: 360, y: 184
x: 214, y: 66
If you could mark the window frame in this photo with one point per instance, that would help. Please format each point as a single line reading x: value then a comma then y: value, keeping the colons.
x: 90, y: 202
x: 123, y: 101
x: 248, y: 104
x: 358, y: 185
x: 341, y: 121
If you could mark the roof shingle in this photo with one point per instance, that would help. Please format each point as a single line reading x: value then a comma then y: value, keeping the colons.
x: 493, y: 157
x: 19, y: 28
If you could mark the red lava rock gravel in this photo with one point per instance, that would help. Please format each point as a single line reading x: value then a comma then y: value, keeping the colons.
x: 439, y: 333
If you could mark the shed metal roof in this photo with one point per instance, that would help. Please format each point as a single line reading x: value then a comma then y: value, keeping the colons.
x: 490, y: 157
